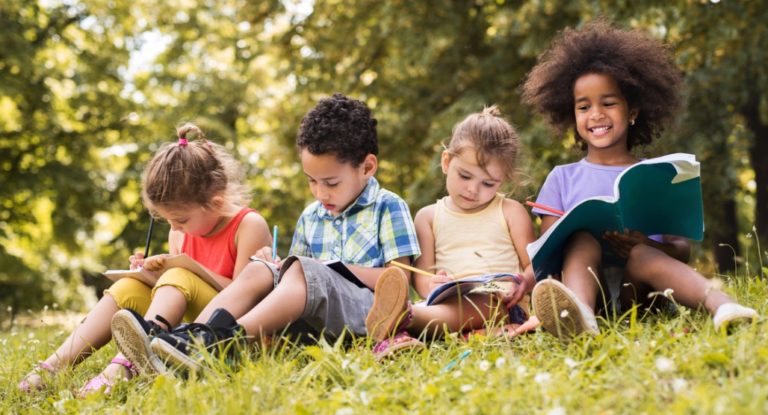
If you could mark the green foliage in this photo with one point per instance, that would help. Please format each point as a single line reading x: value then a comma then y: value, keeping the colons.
x: 89, y: 90
x: 640, y: 364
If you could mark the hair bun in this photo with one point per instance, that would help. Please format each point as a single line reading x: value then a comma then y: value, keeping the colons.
x: 493, y: 110
x: 190, y: 131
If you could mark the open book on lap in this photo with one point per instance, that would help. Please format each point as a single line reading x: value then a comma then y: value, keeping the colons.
x: 171, y: 261
x: 655, y: 196
x: 489, y: 283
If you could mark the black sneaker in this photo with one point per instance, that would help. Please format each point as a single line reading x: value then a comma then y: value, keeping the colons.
x: 220, y: 336
x: 132, y: 335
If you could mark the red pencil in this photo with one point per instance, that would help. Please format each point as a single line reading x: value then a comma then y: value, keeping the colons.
x: 547, y: 208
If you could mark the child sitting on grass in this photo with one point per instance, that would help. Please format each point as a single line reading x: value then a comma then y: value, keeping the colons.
x: 353, y: 220
x: 473, y: 231
x: 617, y: 89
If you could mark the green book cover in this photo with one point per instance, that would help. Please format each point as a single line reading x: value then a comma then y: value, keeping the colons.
x: 655, y: 196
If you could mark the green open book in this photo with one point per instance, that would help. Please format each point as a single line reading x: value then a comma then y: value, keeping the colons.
x: 655, y: 196
x: 171, y: 261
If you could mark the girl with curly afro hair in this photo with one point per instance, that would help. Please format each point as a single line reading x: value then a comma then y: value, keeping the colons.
x: 616, y: 89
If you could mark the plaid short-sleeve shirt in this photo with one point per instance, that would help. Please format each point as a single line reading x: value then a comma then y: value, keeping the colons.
x: 375, y: 229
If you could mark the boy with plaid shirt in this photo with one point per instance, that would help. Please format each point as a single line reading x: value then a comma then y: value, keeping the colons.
x: 353, y: 220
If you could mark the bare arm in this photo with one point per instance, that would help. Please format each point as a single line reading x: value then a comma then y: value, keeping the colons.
x: 426, y: 237
x: 521, y: 232
x: 369, y: 275
x: 252, y: 235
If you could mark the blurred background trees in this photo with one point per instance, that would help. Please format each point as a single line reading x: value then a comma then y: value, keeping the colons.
x: 89, y: 89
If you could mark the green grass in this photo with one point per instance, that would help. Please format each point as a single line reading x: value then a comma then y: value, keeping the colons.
x: 639, y: 364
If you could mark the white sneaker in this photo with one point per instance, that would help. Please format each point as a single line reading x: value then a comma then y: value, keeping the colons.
x: 560, y: 312
x: 732, y: 313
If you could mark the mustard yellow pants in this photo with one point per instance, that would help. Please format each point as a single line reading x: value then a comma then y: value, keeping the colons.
x: 134, y: 294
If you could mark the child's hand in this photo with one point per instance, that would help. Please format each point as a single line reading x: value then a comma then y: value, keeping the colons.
x: 155, y: 262
x: 440, y: 278
x: 516, y: 293
x: 137, y: 260
x: 623, y: 242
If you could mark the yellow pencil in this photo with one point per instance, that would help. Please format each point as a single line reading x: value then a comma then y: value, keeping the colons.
x: 412, y: 269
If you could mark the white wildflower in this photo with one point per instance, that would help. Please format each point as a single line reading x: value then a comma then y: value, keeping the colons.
x: 500, y: 362
x: 364, y: 398
x: 345, y: 411
x: 558, y: 410
x: 522, y: 371
x: 679, y: 385
x: 344, y: 363
x: 542, y: 378
x: 466, y: 388
x: 664, y: 364
x: 256, y: 389
x: 668, y: 292
x: 484, y: 365
x: 570, y: 362
x: 457, y: 374
x: 564, y: 314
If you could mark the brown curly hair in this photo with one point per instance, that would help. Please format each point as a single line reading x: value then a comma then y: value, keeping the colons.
x: 642, y: 66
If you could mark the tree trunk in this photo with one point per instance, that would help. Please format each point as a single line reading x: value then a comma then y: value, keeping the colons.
x: 726, y: 237
x: 758, y: 154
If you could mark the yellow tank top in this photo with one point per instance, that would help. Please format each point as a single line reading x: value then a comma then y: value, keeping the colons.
x: 473, y: 243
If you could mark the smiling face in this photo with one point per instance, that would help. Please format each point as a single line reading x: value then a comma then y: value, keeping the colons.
x: 602, y: 114
x: 470, y: 187
x: 333, y: 183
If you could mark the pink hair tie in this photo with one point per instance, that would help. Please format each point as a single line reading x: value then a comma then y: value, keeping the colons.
x: 183, y: 141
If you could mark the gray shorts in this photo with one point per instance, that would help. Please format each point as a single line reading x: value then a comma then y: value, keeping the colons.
x: 333, y: 303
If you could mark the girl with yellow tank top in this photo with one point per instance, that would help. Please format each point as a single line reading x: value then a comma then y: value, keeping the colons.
x: 472, y: 231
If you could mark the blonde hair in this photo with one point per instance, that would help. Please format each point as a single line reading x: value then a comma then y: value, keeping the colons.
x: 490, y: 135
x: 192, y: 171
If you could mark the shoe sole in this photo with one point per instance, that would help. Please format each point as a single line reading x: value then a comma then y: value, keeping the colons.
x: 391, y: 351
x: 389, y: 301
x: 173, y: 357
x: 134, y: 344
x: 558, y: 311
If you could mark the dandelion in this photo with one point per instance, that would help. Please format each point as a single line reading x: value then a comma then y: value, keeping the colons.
x: 500, y: 362
x: 466, y: 388
x: 664, y: 364
x: 484, y: 365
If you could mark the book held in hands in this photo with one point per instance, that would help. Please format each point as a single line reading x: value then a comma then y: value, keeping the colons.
x: 658, y: 196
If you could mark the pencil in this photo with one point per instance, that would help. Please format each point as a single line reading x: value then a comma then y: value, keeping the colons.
x: 274, y: 242
x: 412, y: 269
x: 547, y: 208
x: 149, y: 235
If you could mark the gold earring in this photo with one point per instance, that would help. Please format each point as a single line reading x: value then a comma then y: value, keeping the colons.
x: 631, y: 122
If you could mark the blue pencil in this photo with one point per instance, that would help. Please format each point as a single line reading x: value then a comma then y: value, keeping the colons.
x: 274, y: 242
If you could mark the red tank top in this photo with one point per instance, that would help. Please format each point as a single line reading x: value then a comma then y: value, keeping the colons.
x: 217, y: 252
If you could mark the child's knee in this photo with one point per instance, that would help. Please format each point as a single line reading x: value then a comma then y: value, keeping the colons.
x: 130, y: 293
x: 256, y: 272
x: 583, y: 245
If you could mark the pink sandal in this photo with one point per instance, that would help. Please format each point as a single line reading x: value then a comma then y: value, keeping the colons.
x: 103, y: 383
x: 26, y: 386
x: 401, y: 341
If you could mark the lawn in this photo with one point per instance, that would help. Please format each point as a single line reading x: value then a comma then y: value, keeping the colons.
x: 645, y: 364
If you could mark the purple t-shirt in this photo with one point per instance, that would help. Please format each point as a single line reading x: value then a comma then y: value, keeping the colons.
x: 569, y: 184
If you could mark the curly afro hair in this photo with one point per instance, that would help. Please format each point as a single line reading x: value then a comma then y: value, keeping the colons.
x: 340, y: 126
x: 642, y: 66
